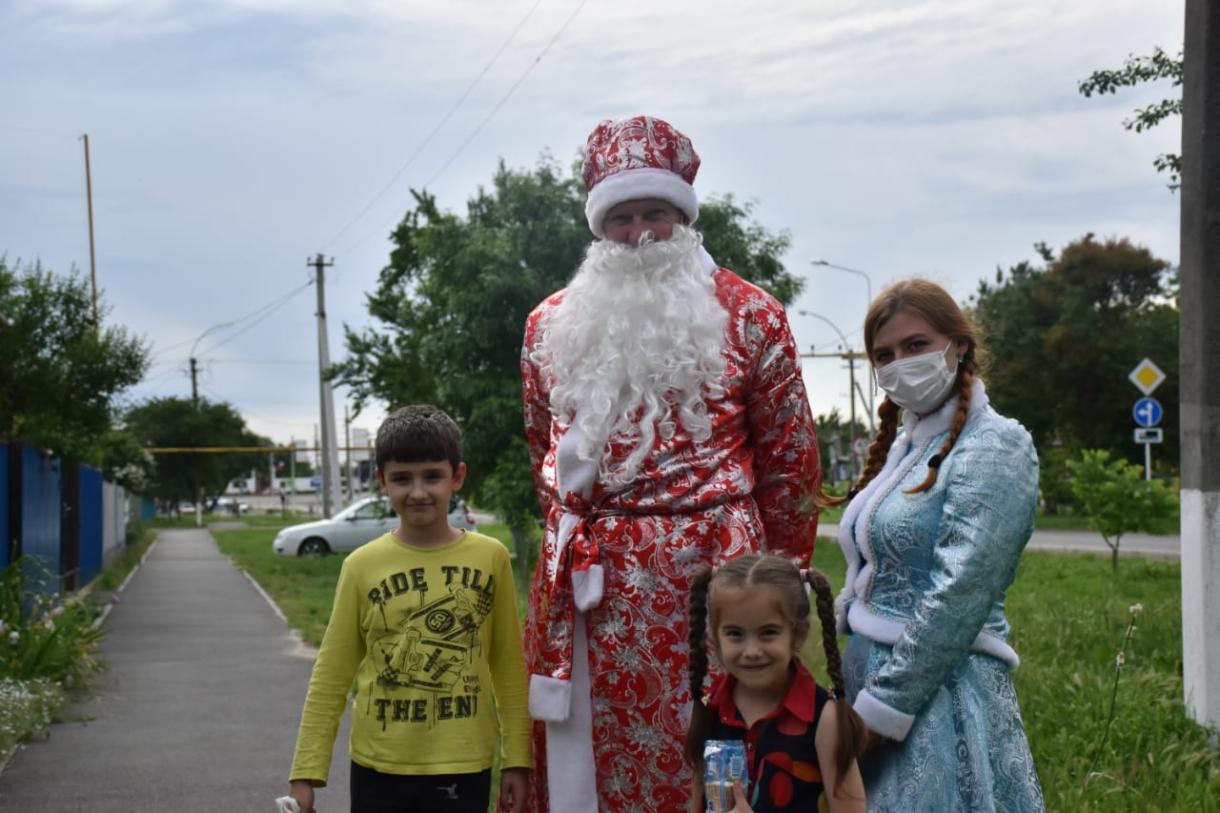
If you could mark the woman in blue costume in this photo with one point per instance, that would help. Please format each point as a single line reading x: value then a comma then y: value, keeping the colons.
x: 932, y: 535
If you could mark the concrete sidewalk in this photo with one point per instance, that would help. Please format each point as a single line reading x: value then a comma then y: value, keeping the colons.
x: 199, y: 707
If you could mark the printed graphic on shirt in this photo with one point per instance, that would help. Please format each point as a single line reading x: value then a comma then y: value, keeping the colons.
x: 427, y: 643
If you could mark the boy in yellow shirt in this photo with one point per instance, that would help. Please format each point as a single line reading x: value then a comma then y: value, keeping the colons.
x: 425, y: 621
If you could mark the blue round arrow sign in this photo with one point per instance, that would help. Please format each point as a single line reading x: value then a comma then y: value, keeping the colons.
x: 1147, y: 412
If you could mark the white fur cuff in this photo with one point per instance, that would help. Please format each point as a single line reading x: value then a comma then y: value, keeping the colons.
x: 885, y: 720
x: 587, y: 587
x: 550, y: 698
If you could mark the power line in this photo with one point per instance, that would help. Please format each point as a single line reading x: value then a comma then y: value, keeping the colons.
x: 269, y: 309
x: 444, y: 119
x: 162, y: 375
x: 486, y: 119
x: 507, y: 95
x: 280, y: 300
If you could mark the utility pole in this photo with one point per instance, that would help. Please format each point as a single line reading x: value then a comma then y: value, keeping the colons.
x: 292, y: 473
x: 330, y: 455
x: 347, y: 451
x: 1199, y: 357
x: 89, y: 203
x: 194, y: 381
x: 850, y: 356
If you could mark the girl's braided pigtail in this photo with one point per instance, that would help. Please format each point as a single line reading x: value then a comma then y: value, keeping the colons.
x: 852, y: 733
x: 965, y: 388
x: 700, y: 716
x: 880, y: 447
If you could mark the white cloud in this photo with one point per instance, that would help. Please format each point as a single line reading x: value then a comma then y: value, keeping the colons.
x: 232, y: 138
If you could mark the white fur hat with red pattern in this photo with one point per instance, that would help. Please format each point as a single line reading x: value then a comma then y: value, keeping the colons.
x: 639, y: 157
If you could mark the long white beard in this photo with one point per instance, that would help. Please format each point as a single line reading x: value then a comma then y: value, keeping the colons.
x: 636, y: 347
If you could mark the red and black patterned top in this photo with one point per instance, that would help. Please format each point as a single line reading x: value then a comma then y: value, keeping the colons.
x: 780, y: 752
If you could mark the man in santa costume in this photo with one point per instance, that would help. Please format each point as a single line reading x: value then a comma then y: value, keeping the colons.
x: 668, y: 427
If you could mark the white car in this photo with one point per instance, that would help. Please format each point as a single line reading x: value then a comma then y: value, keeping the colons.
x: 362, y: 521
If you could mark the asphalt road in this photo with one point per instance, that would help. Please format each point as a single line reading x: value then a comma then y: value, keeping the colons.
x: 1148, y: 546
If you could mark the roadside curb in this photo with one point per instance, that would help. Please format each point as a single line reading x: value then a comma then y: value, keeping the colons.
x: 300, y: 649
x: 97, y: 622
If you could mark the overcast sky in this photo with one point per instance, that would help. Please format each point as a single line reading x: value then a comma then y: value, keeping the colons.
x: 231, y: 139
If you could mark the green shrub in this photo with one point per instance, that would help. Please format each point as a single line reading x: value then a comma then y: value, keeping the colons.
x: 44, y: 636
x: 1116, y: 498
x: 1055, y: 481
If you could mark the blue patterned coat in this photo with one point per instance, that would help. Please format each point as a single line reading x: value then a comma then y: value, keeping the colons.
x: 928, y: 664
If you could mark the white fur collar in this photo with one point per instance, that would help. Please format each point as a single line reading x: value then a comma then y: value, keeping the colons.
x: 918, y: 429
x: 854, y: 524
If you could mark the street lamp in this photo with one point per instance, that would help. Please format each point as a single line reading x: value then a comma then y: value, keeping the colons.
x: 851, y: 356
x: 842, y: 338
x: 853, y: 387
x: 868, y: 282
x: 867, y: 279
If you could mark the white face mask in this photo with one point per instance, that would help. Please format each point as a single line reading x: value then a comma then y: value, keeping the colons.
x: 919, y: 383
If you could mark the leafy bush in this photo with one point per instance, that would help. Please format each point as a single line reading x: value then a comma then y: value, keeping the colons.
x: 44, y: 636
x: 1117, y: 499
x: 1055, y: 481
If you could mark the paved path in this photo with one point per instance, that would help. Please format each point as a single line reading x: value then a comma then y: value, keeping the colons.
x: 198, y: 710
x: 1143, y: 545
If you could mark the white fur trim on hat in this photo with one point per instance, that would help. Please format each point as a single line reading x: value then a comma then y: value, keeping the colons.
x: 636, y: 184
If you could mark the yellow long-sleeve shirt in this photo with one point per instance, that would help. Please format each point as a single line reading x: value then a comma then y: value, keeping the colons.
x: 430, y: 635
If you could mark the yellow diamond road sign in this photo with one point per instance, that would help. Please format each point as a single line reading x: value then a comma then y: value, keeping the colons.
x: 1147, y: 376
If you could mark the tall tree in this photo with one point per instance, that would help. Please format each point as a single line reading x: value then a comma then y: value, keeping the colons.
x: 451, y: 307
x: 1063, y: 338
x: 1136, y: 70
x: 181, y: 422
x: 61, y: 372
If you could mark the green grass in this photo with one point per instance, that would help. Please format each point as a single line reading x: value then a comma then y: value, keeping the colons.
x: 1068, y: 613
x: 139, y: 539
x: 830, y: 515
x: 304, y: 588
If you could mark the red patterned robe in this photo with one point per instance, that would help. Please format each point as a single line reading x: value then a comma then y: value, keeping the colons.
x: 613, y: 573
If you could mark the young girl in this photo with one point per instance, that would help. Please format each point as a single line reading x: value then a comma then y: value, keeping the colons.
x: 798, y: 740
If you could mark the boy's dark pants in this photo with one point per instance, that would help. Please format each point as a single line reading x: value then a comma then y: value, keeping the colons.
x: 376, y: 792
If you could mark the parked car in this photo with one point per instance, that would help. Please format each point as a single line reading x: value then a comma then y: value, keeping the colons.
x: 230, y: 505
x: 460, y: 516
x: 362, y: 521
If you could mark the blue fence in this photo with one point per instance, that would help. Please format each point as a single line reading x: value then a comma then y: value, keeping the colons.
x: 56, y: 515
x: 91, y: 519
x: 40, y: 512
